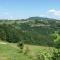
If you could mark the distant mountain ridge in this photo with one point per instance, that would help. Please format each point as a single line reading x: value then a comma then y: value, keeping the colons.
x: 40, y: 18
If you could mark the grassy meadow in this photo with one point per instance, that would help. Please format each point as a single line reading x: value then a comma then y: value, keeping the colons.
x: 10, y: 51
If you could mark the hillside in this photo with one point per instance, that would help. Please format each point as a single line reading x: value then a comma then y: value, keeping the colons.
x: 40, y: 37
x: 34, y: 30
x: 10, y: 51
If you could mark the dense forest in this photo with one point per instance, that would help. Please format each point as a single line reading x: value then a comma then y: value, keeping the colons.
x: 34, y: 30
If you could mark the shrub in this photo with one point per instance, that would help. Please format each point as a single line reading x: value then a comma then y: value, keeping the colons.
x: 21, y: 46
x: 40, y: 57
x: 56, y: 55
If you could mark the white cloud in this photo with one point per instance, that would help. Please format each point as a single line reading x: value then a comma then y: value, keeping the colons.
x: 51, y: 10
x: 55, y: 12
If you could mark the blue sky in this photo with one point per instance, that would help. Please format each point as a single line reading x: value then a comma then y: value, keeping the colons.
x: 18, y: 9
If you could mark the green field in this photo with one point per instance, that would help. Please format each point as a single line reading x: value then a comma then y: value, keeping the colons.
x: 10, y: 51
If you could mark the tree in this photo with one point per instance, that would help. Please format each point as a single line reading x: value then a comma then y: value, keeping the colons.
x: 21, y: 46
x: 56, y: 37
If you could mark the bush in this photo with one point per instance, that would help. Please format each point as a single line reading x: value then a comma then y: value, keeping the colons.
x: 56, y: 55
x: 21, y: 46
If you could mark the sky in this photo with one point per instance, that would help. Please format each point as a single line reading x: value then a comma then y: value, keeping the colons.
x: 21, y: 9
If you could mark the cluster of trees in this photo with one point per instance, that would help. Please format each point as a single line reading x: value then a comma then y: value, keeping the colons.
x: 30, y: 35
x: 9, y: 33
x: 35, y: 31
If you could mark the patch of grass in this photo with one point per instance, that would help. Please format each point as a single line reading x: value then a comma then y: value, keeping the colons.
x: 11, y: 52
